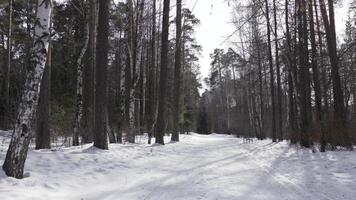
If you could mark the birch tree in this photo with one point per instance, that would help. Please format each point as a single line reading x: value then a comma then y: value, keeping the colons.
x: 17, y: 152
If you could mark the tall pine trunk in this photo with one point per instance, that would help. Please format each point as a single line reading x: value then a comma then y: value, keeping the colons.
x: 273, y: 109
x: 163, y: 75
x: 303, y: 75
x: 279, y: 87
x: 339, y: 107
x: 88, y: 77
x: 17, y: 152
x: 100, y: 125
x: 150, y: 87
x: 177, y: 73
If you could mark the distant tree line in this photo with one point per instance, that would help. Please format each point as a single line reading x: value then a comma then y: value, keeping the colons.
x: 287, y: 77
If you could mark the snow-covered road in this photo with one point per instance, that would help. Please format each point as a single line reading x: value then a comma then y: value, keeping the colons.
x: 199, y: 167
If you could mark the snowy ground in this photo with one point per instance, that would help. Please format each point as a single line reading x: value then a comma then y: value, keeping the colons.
x: 199, y: 167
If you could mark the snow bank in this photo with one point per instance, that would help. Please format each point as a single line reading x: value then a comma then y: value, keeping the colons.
x: 198, y: 167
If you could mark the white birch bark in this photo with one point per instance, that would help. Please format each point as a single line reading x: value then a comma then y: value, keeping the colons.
x: 79, y: 112
x: 17, y: 152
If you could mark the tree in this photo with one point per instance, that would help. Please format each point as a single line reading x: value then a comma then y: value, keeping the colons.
x: 163, y: 75
x: 339, y: 107
x: 279, y: 89
x: 43, y: 139
x: 151, y: 76
x: 100, y: 126
x: 177, y: 73
x: 17, y: 152
x: 274, y: 134
x: 88, y: 76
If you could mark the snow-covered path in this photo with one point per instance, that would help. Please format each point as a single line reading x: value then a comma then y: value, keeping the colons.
x: 198, y: 167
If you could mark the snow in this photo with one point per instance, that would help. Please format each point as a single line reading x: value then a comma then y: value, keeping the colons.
x: 199, y: 167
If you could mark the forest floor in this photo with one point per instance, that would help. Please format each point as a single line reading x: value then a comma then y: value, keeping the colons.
x: 215, y: 167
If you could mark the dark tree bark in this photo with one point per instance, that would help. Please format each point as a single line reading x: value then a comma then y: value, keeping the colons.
x: 303, y: 74
x: 100, y: 126
x: 316, y: 79
x: 274, y: 134
x: 150, y: 87
x: 290, y: 65
x: 339, y: 107
x: 89, y: 78
x: 128, y: 67
x: 118, y: 96
x: 279, y: 87
x: 163, y: 75
x: 177, y: 73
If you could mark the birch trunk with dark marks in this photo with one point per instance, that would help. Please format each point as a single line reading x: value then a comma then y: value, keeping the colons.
x: 43, y: 139
x: 79, y: 110
x: 17, y: 152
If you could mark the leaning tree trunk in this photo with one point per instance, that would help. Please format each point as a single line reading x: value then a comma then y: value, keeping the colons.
x: 177, y: 73
x: 163, y: 76
x: 17, y: 152
x: 100, y: 129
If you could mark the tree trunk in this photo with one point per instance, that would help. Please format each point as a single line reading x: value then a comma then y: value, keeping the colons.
x: 163, y: 75
x: 339, y: 107
x: 150, y: 87
x: 303, y: 74
x: 43, y: 139
x: 128, y: 68
x: 8, y: 70
x: 79, y: 109
x: 118, y: 97
x: 316, y: 75
x: 17, y: 152
x: 89, y: 78
x: 100, y: 125
x: 279, y: 88
x: 177, y: 73
x: 274, y: 134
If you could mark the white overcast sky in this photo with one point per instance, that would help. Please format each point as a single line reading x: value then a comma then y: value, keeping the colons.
x: 216, y: 15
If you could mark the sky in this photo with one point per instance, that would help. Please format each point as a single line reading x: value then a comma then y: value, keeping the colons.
x: 216, y: 15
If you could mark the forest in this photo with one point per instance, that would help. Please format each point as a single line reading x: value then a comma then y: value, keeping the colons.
x: 107, y: 74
